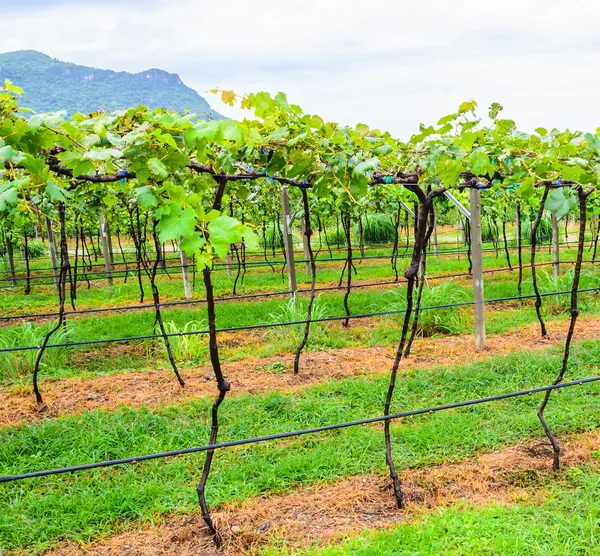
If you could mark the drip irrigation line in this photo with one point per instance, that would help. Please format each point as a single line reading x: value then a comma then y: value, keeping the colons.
x: 302, y: 432
x: 373, y: 245
x: 263, y: 294
x: 144, y: 306
x: 93, y: 265
x: 95, y: 276
x: 219, y: 266
x: 281, y: 324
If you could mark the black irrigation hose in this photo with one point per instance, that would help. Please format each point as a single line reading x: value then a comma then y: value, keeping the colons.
x: 260, y: 294
x: 302, y: 432
x: 93, y: 265
x: 254, y: 264
x: 99, y: 275
x: 280, y: 324
x: 373, y: 246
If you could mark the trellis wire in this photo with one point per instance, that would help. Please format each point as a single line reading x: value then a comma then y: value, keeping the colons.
x: 280, y: 324
x: 263, y: 294
x: 279, y: 436
x: 99, y: 276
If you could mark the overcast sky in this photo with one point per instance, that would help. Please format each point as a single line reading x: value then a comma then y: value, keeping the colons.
x: 390, y: 64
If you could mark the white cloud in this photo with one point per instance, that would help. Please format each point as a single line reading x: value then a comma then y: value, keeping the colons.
x: 389, y: 64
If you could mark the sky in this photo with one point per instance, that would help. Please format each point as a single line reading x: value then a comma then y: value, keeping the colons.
x: 389, y: 64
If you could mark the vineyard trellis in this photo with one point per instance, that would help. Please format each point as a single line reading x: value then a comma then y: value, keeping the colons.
x: 169, y: 176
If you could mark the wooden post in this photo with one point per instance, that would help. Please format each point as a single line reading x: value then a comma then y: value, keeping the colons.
x: 435, y: 239
x: 185, y: 273
x: 228, y: 262
x: 104, y: 232
x: 305, y: 246
x: 52, y: 244
x: 110, y: 246
x: 288, y: 240
x: 11, y: 259
x: 555, y: 246
x: 478, y: 295
x: 518, y: 232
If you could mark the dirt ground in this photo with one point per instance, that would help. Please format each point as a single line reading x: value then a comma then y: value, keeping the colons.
x: 251, y: 375
x: 326, y: 513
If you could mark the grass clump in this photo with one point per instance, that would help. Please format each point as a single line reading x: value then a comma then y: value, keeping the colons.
x: 558, y: 304
x: 15, y: 364
x: 186, y: 346
x: 296, y: 310
x: 436, y: 321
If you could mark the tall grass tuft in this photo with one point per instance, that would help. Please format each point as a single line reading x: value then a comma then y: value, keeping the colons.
x: 271, y: 239
x: 378, y: 228
x: 336, y: 236
x: 296, y: 311
x: 452, y: 320
x: 557, y: 304
x: 20, y: 363
x: 188, y: 347
x: 544, y: 231
x: 489, y: 231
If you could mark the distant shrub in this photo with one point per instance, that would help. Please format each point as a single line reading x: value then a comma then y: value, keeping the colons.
x: 36, y: 248
x: 378, y: 228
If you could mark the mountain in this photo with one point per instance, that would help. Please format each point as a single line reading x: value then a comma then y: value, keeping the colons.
x: 51, y: 85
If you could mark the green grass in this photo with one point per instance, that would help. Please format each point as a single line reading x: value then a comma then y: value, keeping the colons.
x: 93, y: 360
x: 43, y: 298
x: 440, y: 321
x: 265, y: 343
x: 565, y: 524
x: 14, y: 365
x: 38, y: 513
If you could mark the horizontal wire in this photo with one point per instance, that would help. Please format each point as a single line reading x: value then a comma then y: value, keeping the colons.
x: 280, y: 324
x: 267, y: 294
x: 279, y: 436
x: 48, y: 279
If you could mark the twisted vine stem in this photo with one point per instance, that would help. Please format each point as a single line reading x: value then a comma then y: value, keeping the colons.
x: 394, y: 257
x: 574, y: 310
x: 223, y: 386
x: 519, y: 250
x: 348, y: 266
x: 421, y: 280
x: 534, y: 229
x: 313, y: 272
x: 62, y: 281
x: 506, y: 251
x: 422, y: 215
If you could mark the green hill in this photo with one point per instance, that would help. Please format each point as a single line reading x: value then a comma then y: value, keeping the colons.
x: 51, y: 85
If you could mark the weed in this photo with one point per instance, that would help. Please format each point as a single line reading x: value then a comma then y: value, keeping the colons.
x: 557, y: 304
x: 19, y: 363
x: 436, y: 321
x: 295, y: 310
x: 186, y: 347
x: 277, y: 367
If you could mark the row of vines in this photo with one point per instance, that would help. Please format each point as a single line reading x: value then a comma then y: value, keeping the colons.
x: 211, y: 188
